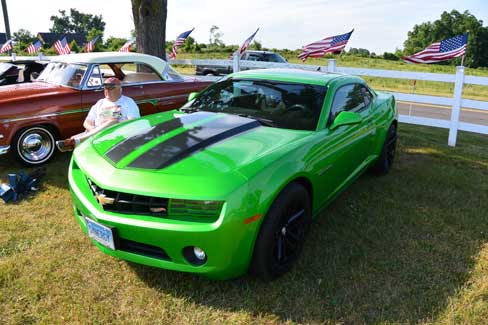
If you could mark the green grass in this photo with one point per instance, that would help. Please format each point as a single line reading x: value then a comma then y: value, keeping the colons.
x: 409, y: 247
x: 401, y: 85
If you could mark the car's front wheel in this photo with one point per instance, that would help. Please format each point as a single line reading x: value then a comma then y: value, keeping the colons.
x: 34, y: 145
x: 282, y: 233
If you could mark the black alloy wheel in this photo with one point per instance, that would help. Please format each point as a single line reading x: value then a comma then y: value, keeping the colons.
x: 282, y: 233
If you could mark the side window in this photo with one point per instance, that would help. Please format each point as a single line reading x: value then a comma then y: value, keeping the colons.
x: 138, y: 73
x: 367, y: 96
x: 273, y: 58
x: 351, y: 98
x: 254, y: 57
x: 95, y: 79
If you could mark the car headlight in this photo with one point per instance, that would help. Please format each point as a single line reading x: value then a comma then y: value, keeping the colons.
x: 195, y: 208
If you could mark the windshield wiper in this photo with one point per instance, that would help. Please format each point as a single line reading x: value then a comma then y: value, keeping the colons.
x: 263, y: 121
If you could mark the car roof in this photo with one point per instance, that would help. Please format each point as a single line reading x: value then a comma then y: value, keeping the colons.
x: 290, y: 75
x: 112, y: 57
x: 263, y: 52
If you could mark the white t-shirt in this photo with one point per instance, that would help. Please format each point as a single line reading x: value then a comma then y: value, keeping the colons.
x: 123, y: 109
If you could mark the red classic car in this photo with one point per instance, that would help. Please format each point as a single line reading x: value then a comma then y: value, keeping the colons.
x: 34, y: 115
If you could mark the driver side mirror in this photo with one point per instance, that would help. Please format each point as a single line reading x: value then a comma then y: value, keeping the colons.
x: 192, y: 96
x: 346, y: 118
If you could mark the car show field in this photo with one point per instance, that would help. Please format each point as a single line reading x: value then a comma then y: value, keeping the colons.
x: 409, y: 247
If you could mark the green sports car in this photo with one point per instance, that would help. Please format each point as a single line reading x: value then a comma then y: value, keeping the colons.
x: 232, y: 180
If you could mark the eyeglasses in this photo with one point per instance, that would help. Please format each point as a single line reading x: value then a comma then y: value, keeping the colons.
x: 109, y: 87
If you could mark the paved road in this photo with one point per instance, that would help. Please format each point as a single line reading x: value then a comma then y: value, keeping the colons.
x: 442, y: 112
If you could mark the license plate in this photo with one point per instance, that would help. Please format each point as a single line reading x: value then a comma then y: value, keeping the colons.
x: 102, y: 234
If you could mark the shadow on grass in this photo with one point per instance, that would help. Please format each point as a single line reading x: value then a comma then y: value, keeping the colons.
x: 390, y: 249
x: 56, y: 170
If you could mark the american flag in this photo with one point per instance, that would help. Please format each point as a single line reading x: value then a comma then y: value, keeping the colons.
x: 34, y: 47
x: 127, y: 45
x: 440, y: 51
x: 62, y: 46
x: 7, y: 46
x: 91, y: 45
x: 331, y: 44
x: 247, y: 42
x: 178, y: 42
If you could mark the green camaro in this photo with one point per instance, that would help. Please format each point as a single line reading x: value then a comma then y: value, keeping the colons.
x: 232, y: 180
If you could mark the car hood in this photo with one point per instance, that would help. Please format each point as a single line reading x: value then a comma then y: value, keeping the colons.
x: 205, y: 149
x: 30, y: 90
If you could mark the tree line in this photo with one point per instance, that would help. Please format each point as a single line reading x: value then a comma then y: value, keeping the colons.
x: 422, y: 35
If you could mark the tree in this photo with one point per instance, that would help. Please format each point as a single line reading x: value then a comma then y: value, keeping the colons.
x: 22, y: 38
x: 114, y: 44
x: 91, y: 35
x: 150, y: 24
x: 215, y: 36
x: 76, y: 22
x: 74, y: 47
x: 257, y: 45
x: 450, y: 25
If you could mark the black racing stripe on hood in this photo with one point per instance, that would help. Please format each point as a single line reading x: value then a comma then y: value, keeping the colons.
x: 192, y: 141
x: 122, y: 149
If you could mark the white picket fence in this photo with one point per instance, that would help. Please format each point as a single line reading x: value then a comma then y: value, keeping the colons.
x: 456, y: 102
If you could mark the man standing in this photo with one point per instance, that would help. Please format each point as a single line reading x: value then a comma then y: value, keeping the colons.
x: 112, y: 109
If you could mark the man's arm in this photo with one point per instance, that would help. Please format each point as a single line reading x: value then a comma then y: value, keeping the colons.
x: 88, y: 124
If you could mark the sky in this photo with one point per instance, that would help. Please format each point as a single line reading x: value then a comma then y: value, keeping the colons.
x: 379, y: 25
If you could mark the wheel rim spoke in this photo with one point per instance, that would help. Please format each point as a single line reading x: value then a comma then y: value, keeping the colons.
x: 280, y: 248
x: 296, y: 216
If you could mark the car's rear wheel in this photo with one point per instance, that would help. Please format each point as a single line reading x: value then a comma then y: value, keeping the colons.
x: 34, y: 145
x: 282, y: 233
x: 387, y: 156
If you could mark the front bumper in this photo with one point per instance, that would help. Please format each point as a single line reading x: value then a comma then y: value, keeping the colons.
x: 227, y: 244
x: 4, y: 150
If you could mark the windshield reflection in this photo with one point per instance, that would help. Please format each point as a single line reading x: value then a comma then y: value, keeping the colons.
x: 64, y: 74
x: 278, y: 104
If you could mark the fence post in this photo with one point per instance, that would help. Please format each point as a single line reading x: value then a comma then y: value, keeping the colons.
x: 331, y: 67
x: 456, y: 106
x: 236, y: 61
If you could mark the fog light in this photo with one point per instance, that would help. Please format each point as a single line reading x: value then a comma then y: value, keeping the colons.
x: 195, y: 255
x: 199, y: 253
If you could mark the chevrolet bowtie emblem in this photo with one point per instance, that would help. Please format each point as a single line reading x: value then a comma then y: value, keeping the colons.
x: 103, y: 199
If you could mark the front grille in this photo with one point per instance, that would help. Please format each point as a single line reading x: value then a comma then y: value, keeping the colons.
x: 127, y: 203
x: 142, y: 249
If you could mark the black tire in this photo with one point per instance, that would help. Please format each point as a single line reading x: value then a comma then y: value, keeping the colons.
x: 34, y: 145
x: 210, y: 73
x: 282, y: 233
x: 387, y: 156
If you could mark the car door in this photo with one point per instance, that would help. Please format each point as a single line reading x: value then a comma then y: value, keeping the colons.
x: 342, y: 152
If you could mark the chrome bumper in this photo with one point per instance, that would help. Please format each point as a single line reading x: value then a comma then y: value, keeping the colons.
x: 4, y: 149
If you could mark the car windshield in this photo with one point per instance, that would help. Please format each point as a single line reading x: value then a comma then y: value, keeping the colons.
x: 65, y: 74
x: 274, y: 103
x: 4, y: 67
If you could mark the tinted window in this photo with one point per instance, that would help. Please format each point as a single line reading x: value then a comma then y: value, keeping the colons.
x: 285, y: 105
x: 272, y: 57
x: 352, y: 98
x: 254, y: 57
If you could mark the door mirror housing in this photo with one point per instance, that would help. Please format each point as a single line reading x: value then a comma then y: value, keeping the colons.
x: 192, y: 96
x: 346, y: 118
